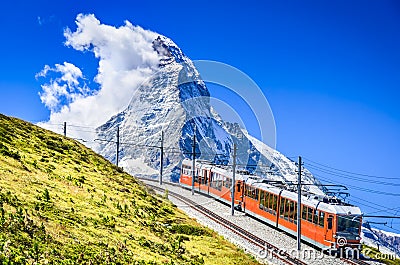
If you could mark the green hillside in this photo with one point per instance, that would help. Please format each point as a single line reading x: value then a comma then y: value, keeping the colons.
x: 60, y: 203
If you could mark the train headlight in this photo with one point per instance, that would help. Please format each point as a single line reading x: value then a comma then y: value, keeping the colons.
x: 357, y: 238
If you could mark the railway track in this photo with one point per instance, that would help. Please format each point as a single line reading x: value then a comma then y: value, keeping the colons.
x: 255, y: 240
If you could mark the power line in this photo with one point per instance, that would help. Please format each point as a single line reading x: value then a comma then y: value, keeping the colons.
x: 372, y: 203
x: 81, y: 126
x: 353, y: 173
x: 394, y: 229
x: 341, y: 175
x: 78, y: 130
x: 361, y: 189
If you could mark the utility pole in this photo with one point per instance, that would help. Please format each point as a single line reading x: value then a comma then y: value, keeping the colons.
x: 117, y: 145
x: 162, y: 157
x: 299, y: 206
x: 65, y: 129
x: 233, y: 179
x: 193, y: 159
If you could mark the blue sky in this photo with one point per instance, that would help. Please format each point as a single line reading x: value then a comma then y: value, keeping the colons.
x: 329, y: 69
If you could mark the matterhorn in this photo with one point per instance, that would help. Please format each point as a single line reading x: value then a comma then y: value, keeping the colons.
x: 168, y: 109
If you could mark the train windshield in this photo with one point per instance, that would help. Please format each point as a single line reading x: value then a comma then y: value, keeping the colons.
x: 349, y: 226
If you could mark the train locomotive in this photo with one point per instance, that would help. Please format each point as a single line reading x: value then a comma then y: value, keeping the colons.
x: 326, y: 221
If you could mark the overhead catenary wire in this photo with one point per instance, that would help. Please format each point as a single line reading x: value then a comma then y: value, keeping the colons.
x: 79, y: 130
x: 341, y: 175
x: 394, y: 229
x: 359, y: 188
x: 81, y: 126
x: 352, y: 173
x: 386, y: 209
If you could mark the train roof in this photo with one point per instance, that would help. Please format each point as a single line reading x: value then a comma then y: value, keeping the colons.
x: 325, y: 203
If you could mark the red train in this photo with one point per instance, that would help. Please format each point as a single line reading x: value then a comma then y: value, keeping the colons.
x: 326, y: 222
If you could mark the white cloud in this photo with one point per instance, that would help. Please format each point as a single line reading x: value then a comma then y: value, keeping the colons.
x: 62, y: 90
x: 126, y: 59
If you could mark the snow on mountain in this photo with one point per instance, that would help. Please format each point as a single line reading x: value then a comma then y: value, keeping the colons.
x: 285, y: 169
x: 176, y: 101
x: 387, y: 242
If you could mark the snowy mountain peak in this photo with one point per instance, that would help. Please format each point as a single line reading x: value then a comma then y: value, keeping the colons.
x: 167, y: 49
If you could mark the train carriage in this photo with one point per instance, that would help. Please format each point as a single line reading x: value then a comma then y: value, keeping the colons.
x: 325, y: 221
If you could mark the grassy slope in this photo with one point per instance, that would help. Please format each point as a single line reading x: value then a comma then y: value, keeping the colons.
x: 62, y: 203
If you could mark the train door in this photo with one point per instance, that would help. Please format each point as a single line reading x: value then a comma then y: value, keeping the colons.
x: 239, y: 194
x: 329, y: 228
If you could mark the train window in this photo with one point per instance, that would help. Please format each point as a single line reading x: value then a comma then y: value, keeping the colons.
x: 228, y: 183
x: 295, y: 212
x: 218, y: 185
x: 315, y: 219
x: 330, y: 222
x: 291, y: 210
x: 287, y: 209
x: 247, y: 190
x: 267, y: 200
x: 274, y: 203
x: 304, y: 213
x: 261, y: 203
x: 271, y: 201
x: 282, y: 207
x: 348, y: 226
x: 251, y: 192
x: 310, y: 214
x: 321, y: 218
x: 214, y: 178
x: 238, y: 187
